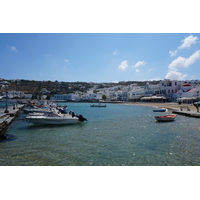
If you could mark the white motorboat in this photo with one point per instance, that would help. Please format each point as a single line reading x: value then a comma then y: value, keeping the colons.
x: 35, y: 114
x: 98, y: 105
x: 36, y: 109
x: 54, y: 118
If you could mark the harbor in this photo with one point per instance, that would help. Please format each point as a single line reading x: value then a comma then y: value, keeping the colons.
x: 118, y: 135
x: 7, y: 117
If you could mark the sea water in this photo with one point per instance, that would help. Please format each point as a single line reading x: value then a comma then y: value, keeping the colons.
x: 116, y: 135
x: 3, y: 104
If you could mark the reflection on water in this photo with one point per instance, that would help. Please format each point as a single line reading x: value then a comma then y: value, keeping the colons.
x: 118, y: 135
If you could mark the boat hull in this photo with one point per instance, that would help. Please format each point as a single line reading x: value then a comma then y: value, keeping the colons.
x: 35, y: 110
x: 98, y: 105
x: 53, y: 120
x: 160, y: 110
x: 165, y: 118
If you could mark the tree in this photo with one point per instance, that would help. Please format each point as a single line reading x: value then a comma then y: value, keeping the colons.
x: 104, y: 97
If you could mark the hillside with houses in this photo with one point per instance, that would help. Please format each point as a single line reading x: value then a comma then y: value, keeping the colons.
x: 157, y: 91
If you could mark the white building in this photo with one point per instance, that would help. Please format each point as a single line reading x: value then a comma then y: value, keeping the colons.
x: 14, y: 94
x: 169, y: 87
x: 151, y: 89
x: 137, y: 92
x: 45, y: 91
x: 65, y: 97
x: 187, y: 92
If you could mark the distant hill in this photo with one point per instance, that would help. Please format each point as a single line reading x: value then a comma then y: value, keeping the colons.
x: 35, y: 87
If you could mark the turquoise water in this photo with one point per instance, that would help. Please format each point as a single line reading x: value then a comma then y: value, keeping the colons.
x: 118, y: 135
x: 3, y: 104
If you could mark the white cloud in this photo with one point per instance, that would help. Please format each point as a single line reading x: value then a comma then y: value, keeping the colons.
x: 115, y: 52
x: 174, y: 75
x: 186, y: 43
x: 184, y: 62
x: 150, y: 70
x: 193, y: 77
x: 172, y: 53
x: 181, y: 62
x: 13, y: 49
x: 124, y: 65
x: 66, y: 60
x: 40, y: 73
x: 139, y: 63
x: 153, y: 79
x: 137, y: 70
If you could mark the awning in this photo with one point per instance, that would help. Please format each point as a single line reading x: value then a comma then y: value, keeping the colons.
x: 153, y: 98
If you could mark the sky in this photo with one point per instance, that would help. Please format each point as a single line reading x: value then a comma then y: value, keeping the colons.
x: 100, y: 57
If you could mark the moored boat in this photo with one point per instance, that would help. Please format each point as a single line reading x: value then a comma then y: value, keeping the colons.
x: 166, y: 118
x: 160, y: 110
x: 98, y: 105
x: 36, y: 109
x: 55, y: 118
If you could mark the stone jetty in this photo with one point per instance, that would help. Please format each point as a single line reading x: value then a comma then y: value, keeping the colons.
x: 185, y: 110
x: 187, y: 113
x: 7, y: 118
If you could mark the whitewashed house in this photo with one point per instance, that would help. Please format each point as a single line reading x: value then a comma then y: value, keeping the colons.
x: 65, y: 97
x: 136, y: 92
x: 169, y: 87
x: 151, y: 89
x: 187, y: 92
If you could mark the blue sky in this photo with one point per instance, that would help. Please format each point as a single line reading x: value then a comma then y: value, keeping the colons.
x: 99, y: 41
x: 100, y: 57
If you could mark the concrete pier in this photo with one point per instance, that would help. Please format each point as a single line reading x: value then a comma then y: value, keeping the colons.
x: 7, y: 118
x: 187, y: 113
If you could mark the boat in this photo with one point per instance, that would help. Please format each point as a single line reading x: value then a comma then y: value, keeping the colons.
x: 55, y: 118
x: 165, y: 118
x: 160, y: 110
x: 36, y: 109
x: 62, y: 109
x: 98, y: 105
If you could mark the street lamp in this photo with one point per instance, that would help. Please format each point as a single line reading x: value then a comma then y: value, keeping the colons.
x: 6, y: 111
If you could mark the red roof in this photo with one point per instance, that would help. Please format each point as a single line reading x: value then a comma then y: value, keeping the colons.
x: 191, y: 90
x: 186, y: 84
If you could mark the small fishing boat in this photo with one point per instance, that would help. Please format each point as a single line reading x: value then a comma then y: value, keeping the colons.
x: 98, y: 105
x: 166, y: 118
x: 160, y: 110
